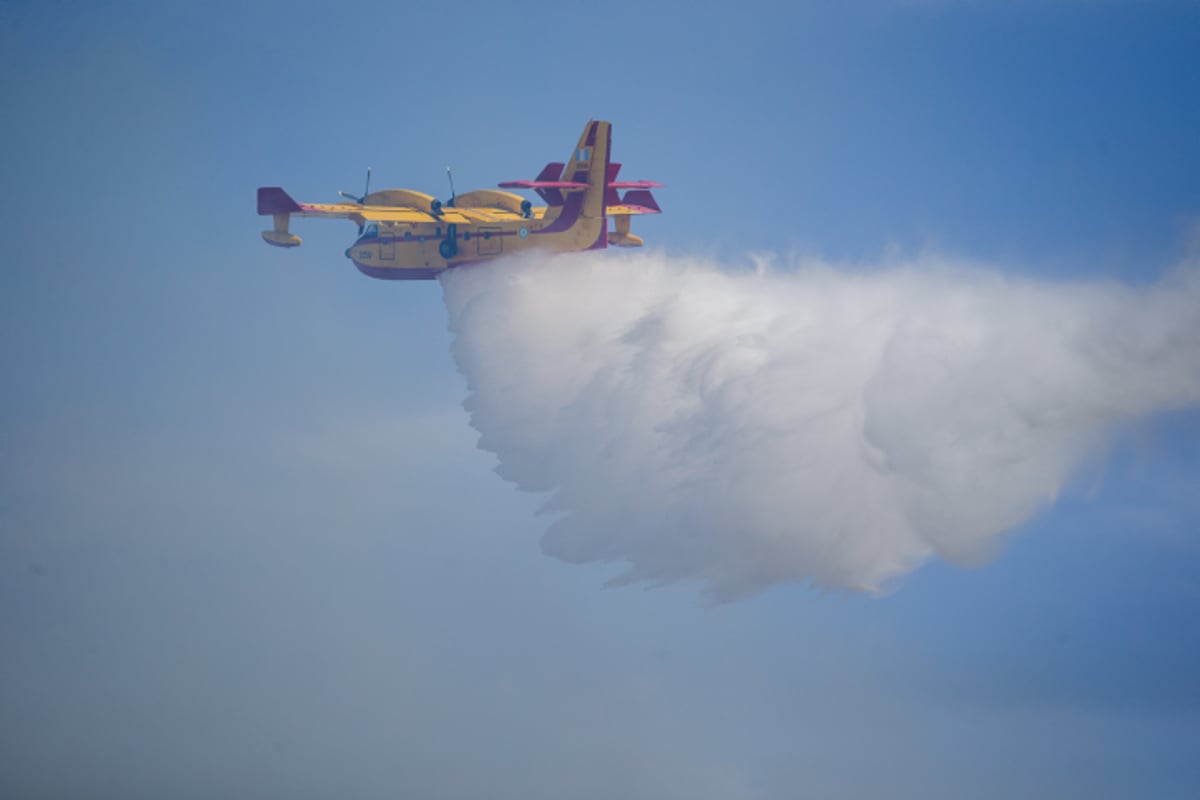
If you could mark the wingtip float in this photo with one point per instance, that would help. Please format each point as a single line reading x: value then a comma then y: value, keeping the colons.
x: 407, y: 235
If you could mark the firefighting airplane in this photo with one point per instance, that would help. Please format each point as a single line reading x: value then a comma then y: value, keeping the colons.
x: 409, y: 235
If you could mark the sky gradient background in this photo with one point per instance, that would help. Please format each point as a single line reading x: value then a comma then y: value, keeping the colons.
x: 248, y: 545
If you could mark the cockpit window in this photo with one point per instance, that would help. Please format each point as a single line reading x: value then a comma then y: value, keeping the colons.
x: 370, y: 231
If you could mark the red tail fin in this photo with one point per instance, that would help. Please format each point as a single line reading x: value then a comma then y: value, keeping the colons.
x: 610, y: 191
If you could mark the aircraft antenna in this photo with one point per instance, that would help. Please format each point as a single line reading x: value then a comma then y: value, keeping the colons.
x: 450, y: 177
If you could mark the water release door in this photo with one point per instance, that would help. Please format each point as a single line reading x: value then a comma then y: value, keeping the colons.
x: 387, y: 243
x: 489, y: 241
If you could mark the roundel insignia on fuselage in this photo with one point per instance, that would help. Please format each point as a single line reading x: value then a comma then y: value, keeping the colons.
x: 523, y: 233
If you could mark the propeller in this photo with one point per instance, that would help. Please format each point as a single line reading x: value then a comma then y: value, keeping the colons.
x: 366, y: 191
x: 360, y: 200
x: 450, y: 177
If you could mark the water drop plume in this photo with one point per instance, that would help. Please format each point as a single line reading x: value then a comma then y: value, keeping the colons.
x: 745, y: 428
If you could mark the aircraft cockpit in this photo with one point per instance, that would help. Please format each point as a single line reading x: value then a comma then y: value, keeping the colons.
x: 370, y: 232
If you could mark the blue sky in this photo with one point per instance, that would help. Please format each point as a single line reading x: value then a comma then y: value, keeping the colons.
x: 248, y: 544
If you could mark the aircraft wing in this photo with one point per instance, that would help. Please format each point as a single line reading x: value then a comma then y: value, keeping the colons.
x: 361, y: 214
x: 613, y: 211
x: 567, y: 185
x: 273, y: 200
x: 634, y: 184
x: 405, y: 214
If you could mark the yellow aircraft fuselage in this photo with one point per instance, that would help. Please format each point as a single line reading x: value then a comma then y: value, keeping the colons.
x: 396, y: 249
x: 410, y: 235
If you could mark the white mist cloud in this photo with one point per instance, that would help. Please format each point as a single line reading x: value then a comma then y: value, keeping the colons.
x: 757, y: 427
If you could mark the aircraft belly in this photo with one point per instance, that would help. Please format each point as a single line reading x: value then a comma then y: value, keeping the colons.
x: 400, y: 273
x: 414, y: 253
x: 398, y: 257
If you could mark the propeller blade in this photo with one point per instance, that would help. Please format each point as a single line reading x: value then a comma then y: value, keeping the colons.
x: 366, y: 191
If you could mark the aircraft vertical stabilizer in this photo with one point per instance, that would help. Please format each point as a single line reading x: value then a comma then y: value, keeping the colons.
x: 589, y: 165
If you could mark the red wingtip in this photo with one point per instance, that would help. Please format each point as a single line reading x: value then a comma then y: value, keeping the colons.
x: 274, y: 200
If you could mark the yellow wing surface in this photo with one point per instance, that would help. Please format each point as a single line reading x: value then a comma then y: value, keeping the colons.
x: 394, y: 205
x: 616, y: 211
x: 364, y: 213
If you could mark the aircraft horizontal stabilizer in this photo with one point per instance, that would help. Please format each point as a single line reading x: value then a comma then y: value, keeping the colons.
x: 611, y: 198
x: 635, y: 185
x: 542, y: 185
